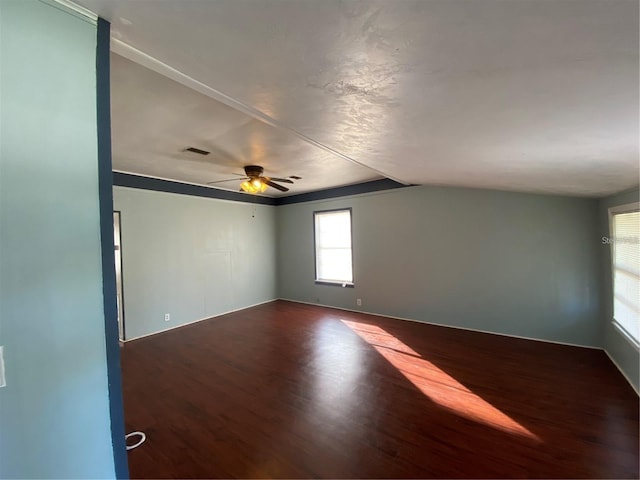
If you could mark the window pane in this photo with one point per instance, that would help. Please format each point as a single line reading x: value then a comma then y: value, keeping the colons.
x: 334, y: 230
x: 627, y: 250
x: 335, y: 264
x: 625, y: 317
x: 626, y: 274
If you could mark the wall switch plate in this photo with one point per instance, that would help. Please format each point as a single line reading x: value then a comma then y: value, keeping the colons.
x: 3, y: 380
x: 359, y: 302
x: 167, y: 317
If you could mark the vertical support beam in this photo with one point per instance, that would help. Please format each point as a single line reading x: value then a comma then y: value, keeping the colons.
x: 105, y: 188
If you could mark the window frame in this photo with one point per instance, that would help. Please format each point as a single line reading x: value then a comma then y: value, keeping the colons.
x: 613, y: 211
x: 318, y: 281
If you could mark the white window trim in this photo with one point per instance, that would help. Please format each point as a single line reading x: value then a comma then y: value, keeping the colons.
x: 336, y: 283
x: 621, y: 330
x: 626, y: 208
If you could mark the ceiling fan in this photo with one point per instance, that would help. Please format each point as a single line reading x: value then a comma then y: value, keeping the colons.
x: 256, y: 182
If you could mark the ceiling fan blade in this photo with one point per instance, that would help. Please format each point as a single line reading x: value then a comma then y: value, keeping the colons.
x: 227, y: 180
x: 276, y: 186
x: 285, y: 180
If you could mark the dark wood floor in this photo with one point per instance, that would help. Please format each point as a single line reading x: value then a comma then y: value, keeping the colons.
x: 286, y: 390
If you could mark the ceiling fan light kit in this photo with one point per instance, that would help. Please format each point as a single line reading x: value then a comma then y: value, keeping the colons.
x: 255, y: 182
x: 253, y: 186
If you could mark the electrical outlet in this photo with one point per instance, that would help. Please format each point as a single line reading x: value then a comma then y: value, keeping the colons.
x: 167, y: 317
x: 359, y: 302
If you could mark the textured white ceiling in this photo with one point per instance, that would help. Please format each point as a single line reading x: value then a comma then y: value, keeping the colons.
x: 154, y: 119
x: 528, y: 95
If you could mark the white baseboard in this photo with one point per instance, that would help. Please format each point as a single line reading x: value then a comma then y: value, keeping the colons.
x: 635, y: 389
x: 448, y: 326
x: 196, y: 321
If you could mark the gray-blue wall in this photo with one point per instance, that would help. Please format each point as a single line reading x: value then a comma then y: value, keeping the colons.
x: 621, y: 351
x: 509, y: 263
x: 54, y: 411
x: 192, y: 257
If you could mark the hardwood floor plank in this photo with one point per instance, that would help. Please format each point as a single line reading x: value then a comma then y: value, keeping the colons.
x: 287, y: 390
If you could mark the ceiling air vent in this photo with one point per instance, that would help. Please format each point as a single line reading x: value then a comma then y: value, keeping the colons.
x: 196, y: 150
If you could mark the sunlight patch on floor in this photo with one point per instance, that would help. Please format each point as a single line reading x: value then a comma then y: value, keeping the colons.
x: 436, y: 384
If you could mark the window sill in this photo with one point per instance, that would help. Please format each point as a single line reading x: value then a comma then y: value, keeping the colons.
x: 335, y: 284
x: 626, y: 335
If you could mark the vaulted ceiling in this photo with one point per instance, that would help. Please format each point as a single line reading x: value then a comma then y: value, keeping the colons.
x: 525, y: 95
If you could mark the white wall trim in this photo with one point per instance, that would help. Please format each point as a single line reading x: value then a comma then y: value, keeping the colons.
x: 626, y: 335
x: 198, y: 320
x: 635, y: 389
x: 447, y: 326
x: 626, y: 208
x: 75, y: 9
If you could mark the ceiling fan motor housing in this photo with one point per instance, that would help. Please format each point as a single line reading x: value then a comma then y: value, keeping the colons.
x: 253, y: 171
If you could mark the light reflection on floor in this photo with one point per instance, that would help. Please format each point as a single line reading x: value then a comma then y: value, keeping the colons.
x: 436, y: 384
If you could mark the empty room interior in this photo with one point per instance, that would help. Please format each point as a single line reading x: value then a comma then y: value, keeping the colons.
x: 319, y: 239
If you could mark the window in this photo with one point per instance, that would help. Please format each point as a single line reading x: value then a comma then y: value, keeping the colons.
x: 333, y: 247
x: 625, y: 253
